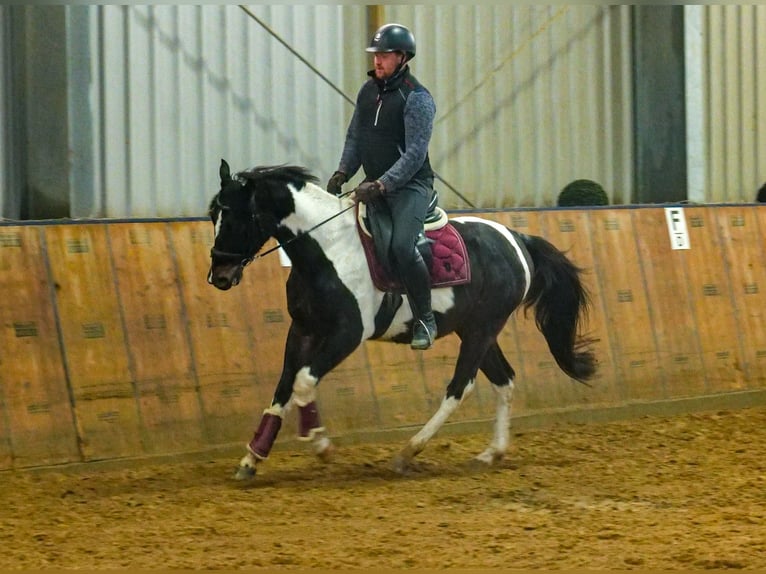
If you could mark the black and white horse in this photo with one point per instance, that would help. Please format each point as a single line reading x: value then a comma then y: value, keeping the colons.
x: 335, y: 306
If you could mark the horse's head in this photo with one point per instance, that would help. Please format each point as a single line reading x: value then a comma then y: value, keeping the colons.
x: 239, y: 231
x: 246, y: 212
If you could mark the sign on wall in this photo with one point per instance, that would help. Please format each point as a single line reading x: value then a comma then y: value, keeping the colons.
x: 679, y: 236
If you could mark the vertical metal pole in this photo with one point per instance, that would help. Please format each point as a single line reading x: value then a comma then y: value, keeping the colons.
x: 375, y: 19
x: 696, y: 149
x: 659, y: 104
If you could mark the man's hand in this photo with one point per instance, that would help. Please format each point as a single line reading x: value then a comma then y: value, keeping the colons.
x: 367, y: 191
x: 336, y: 182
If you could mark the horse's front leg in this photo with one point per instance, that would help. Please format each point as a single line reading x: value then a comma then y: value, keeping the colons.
x: 309, y: 424
x: 259, y: 447
x: 310, y: 428
x: 297, y: 348
x: 308, y: 357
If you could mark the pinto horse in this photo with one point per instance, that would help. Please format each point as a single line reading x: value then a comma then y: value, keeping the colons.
x: 334, y: 304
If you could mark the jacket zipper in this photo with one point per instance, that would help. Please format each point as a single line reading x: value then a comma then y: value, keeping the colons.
x: 377, y: 112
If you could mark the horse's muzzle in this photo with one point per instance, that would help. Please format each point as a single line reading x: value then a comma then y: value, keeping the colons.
x: 224, y: 277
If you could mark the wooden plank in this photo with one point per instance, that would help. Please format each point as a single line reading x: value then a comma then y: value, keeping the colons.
x: 570, y: 231
x: 742, y: 243
x: 757, y: 318
x: 6, y: 449
x: 713, y: 304
x: 619, y: 270
x: 669, y: 294
x: 346, y: 397
x: 37, y: 421
x: 94, y: 341
x: 158, y: 346
x: 397, y: 386
x: 227, y: 359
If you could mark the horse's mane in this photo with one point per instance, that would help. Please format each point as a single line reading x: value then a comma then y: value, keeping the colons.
x: 292, y: 174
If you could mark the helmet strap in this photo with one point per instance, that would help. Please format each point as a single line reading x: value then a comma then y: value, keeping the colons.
x: 401, y: 64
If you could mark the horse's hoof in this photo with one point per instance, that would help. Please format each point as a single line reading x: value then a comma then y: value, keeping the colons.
x: 490, y: 457
x: 244, y: 473
x: 400, y: 464
x: 325, y: 451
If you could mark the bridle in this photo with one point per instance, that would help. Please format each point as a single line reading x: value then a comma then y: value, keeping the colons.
x: 245, y: 260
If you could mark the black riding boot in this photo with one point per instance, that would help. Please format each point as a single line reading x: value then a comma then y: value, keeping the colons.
x: 417, y: 283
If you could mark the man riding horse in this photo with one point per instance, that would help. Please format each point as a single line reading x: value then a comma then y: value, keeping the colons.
x: 388, y: 137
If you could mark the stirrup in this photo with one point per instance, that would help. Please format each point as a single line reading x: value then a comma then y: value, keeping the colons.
x: 422, y: 336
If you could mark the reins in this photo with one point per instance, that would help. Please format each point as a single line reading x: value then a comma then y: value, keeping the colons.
x: 278, y: 245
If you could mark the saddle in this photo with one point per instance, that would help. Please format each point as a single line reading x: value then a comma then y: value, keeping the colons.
x: 442, y: 247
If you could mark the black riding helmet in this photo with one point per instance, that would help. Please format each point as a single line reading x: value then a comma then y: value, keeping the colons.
x: 393, y: 38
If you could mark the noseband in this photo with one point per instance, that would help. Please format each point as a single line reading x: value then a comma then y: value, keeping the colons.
x: 241, y: 258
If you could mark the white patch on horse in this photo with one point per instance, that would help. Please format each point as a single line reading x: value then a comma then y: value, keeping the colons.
x: 447, y: 407
x: 442, y: 300
x: 218, y: 221
x: 304, y: 387
x: 505, y: 232
x: 340, y: 243
x: 499, y: 444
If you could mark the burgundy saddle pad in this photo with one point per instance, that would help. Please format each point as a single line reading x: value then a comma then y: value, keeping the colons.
x: 450, y: 265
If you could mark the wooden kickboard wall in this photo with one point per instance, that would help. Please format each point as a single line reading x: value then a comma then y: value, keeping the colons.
x: 113, y: 344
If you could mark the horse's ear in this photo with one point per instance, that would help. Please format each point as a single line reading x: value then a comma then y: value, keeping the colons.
x: 224, y: 171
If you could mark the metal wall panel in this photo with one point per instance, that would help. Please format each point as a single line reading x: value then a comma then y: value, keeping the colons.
x: 11, y: 108
x: 6, y: 209
x: 529, y: 98
x: 176, y: 88
x: 734, y: 64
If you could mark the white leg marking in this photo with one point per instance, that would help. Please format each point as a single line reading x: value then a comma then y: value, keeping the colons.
x: 323, y: 447
x: 277, y: 410
x: 499, y: 444
x: 304, y: 387
x: 248, y: 461
x: 418, y: 442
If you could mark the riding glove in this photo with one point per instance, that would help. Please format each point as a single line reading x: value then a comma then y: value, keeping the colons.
x: 336, y: 182
x: 367, y: 191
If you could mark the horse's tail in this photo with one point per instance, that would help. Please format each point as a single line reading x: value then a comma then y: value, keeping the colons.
x: 561, y: 303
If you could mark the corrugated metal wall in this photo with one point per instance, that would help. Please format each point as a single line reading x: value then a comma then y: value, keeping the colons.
x: 529, y: 97
x: 734, y: 64
x: 175, y: 88
x: 3, y: 110
x: 8, y: 207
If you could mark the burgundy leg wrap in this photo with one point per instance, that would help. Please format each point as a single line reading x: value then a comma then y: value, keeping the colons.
x: 308, y: 420
x: 265, y: 436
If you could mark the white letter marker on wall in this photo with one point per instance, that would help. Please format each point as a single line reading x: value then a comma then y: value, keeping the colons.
x: 679, y: 236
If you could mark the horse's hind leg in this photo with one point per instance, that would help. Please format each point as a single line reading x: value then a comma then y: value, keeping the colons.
x: 462, y: 383
x: 501, y: 375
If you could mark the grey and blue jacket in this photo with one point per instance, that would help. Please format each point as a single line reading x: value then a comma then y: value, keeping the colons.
x: 390, y: 130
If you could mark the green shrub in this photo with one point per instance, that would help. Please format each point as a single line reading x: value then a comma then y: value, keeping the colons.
x: 582, y: 192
